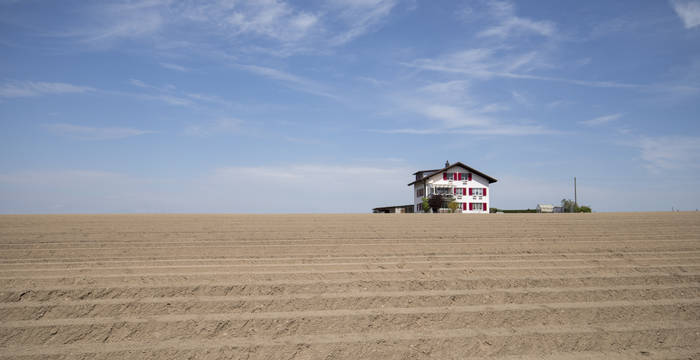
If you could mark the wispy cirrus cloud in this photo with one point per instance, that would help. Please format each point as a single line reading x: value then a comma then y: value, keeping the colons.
x: 669, y: 152
x: 293, y: 81
x: 493, y: 129
x: 508, y: 24
x: 487, y: 63
x: 481, y: 63
x: 38, y: 88
x: 688, y: 11
x: 272, y: 19
x: 94, y: 133
x: 273, y: 27
x: 117, y: 21
x: 174, y: 67
x: 220, y: 126
x: 448, y: 108
x: 170, y: 95
x: 601, y: 120
x: 360, y: 17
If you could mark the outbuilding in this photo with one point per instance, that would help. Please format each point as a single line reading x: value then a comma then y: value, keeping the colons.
x: 545, y: 208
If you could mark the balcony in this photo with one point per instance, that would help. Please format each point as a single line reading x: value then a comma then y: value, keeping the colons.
x: 445, y: 191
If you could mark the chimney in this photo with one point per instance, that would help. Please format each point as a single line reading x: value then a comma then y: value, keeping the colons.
x: 447, y: 163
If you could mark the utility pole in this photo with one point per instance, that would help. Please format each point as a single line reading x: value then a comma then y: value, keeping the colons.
x: 575, y: 204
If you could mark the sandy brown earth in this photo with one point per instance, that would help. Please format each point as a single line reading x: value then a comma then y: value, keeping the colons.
x: 530, y: 286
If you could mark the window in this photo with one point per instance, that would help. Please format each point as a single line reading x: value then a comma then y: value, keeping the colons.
x: 454, y: 176
x: 444, y: 191
x: 478, y: 192
x: 477, y: 206
x: 463, y: 176
x: 420, y: 192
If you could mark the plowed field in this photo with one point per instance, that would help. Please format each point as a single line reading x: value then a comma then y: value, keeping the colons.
x: 507, y: 286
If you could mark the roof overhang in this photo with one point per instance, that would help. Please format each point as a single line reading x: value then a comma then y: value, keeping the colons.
x: 488, y: 178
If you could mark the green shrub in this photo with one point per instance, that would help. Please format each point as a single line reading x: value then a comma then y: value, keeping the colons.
x: 453, y: 206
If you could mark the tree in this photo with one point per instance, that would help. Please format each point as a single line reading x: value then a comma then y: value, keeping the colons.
x: 425, y: 205
x: 453, y: 206
x: 568, y: 206
x: 435, y: 202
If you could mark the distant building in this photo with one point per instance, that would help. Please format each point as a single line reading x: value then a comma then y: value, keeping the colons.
x: 545, y: 208
x: 457, y: 182
x: 558, y: 209
x: 399, y: 209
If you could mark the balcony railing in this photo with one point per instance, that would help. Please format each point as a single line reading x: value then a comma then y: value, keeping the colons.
x: 443, y: 191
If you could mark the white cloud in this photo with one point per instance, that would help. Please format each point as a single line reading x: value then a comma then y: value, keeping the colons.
x: 284, y: 27
x: 485, y: 64
x: 32, y: 88
x: 94, y: 133
x: 451, y: 116
x: 450, y: 108
x: 170, y: 95
x: 508, y: 24
x: 139, y: 83
x: 669, y: 152
x: 105, y: 23
x: 601, y: 120
x: 175, y: 67
x: 481, y: 63
x: 495, y: 129
x: 220, y: 126
x: 135, y: 26
x: 271, y: 18
x: 520, y: 98
x: 688, y: 11
x: 360, y: 16
x: 493, y: 108
x: 291, y: 80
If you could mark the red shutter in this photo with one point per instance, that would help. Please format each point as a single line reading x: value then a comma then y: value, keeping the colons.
x: 484, y: 191
x: 454, y: 176
x: 464, y: 191
x: 444, y: 176
x: 470, y: 191
x: 485, y: 207
x: 459, y: 176
x: 455, y: 190
x: 470, y: 206
x: 464, y: 206
x: 470, y: 176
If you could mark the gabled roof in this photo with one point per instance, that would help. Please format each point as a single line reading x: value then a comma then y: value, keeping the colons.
x: 490, y: 179
x: 425, y: 171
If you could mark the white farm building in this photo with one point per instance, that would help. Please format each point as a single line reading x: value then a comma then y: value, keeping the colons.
x: 457, y: 182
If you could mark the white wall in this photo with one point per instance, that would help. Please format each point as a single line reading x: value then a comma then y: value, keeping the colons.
x: 476, y: 182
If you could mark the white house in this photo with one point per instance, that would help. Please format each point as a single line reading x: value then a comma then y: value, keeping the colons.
x: 545, y: 208
x: 457, y: 182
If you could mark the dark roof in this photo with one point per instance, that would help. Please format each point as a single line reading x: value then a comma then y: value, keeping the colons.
x: 490, y: 179
x: 423, y: 171
x: 393, y: 207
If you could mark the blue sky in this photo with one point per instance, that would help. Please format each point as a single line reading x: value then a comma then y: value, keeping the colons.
x: 329, y: 106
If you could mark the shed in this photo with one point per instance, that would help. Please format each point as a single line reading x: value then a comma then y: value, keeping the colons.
x: 545, y: 208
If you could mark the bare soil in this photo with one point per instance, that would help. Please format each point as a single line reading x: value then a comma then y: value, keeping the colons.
x: 413, y: 286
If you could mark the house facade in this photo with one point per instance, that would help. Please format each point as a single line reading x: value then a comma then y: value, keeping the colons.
x: 468, y: 187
